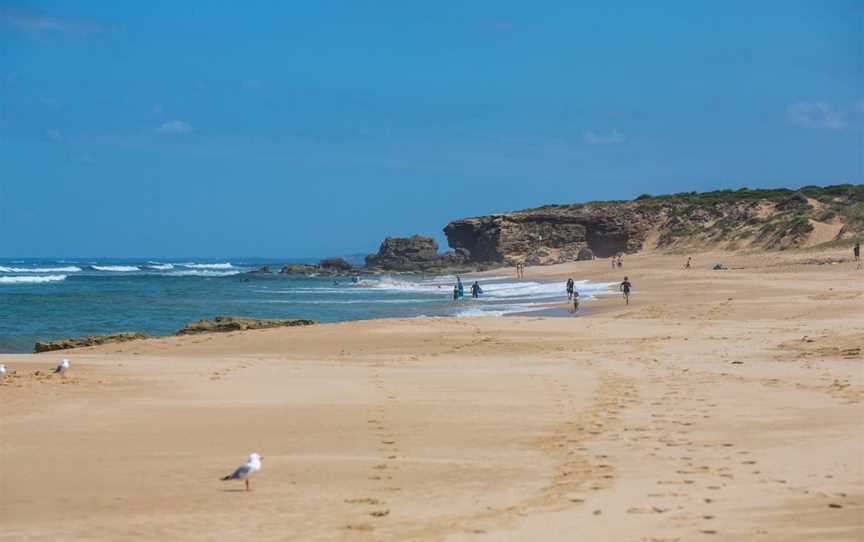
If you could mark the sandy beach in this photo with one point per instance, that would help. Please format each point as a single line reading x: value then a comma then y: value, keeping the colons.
x: 719, y: 405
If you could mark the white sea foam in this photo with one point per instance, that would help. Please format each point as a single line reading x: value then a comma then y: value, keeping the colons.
x: 116, y: 268
x: 69, y: 269
x: 160, y: 266
x: 202, y: 273
x: 224, y: 265
x: 32, y: 279
x: 348, y: 301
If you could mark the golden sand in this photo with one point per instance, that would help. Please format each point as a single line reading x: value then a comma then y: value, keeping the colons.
x: 720, y: 405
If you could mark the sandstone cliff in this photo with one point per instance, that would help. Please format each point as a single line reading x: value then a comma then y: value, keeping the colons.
x: 731, y: 220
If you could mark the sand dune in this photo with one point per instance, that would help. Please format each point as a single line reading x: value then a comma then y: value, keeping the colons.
x: 717, y: 406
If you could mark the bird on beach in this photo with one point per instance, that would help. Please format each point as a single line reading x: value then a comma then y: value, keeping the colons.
x: 246, y: 470
x: 62, y: 367
x: 2, y: 371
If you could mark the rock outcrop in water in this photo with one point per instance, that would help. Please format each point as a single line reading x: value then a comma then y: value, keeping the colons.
x: 327, y: 266
x: 217, y: 325
x: 726, y: 220
x: 222, y: 324
x: 414, y: 254
x: 81, y: 342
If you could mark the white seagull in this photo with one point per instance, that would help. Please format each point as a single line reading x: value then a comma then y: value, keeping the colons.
x: 247, y: 469
x: 62, y: 367
x: 2, y: 371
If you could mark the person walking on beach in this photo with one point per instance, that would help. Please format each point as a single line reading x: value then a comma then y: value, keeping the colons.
x: 575, y: 301
x: 476, y: 290
x: 620, y: 260
x: 569, y: 289
x: 625, y: 288
x: 856, y: 252
x: 687, y: 265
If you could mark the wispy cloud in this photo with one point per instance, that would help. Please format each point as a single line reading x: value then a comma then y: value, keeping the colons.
x: 35, y: 22
x: 815, y: 115
x: 175, y: 127
x: 590, y: 137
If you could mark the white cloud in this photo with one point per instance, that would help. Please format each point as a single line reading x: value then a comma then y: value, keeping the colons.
x: 35, y: 22
x: 175, y: 127
x: 54, y: 134
x: 815, y: 115
x: 590, y: 137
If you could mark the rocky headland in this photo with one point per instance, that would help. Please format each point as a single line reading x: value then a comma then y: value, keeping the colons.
x: 745, y: 219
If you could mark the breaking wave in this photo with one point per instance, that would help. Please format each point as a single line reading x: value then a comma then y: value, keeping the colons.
x: 32, y: 279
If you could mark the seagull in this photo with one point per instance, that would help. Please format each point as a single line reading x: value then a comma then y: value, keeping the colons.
x: 247, y: 469
x: 2, y: 371
x: 62, y: 367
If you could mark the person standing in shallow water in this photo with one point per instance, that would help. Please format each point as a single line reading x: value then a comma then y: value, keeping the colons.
x: 625, y: 288
x: 460, y: 287
x: 569, y: 289
x: 455, y: 293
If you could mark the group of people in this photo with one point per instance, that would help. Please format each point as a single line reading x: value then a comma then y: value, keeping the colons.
x: 520, y: 270
x: 459, y: 290
x: 618, y: 260
x: 573, y: 294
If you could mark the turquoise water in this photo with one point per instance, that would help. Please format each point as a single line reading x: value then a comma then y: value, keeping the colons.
x: 50, y: 299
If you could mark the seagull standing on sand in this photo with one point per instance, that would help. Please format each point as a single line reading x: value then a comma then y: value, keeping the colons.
x: 247, y: 469
x: 62, y: 367
x: 2, y: 371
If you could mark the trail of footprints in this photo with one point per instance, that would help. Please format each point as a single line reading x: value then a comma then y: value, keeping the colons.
x: 572, y: 441
x: 382, y: 471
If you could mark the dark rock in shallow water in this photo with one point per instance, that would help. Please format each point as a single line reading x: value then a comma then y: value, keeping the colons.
x: 264, y: 270
x: 81, y: 342
x: 299, y: 269
x: 335, y: 264
x: 237, y: 323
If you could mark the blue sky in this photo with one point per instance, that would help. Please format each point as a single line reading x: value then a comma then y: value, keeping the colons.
x: 317, y: 128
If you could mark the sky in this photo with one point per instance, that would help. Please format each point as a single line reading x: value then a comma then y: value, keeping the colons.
x: 298, y: 129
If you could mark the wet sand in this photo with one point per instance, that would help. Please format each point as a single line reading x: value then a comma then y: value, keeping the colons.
x: 717, y: 406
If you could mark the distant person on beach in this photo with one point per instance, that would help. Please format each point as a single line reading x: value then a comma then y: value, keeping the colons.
x: 569, y: 288
x: 575, y: 301
x: 455, y: 293
x: 625, y: 288
x: 460, y: 287
x: 476, y: 290
x: 613, y: 262
x: 856, y: 252
x: 687, y: 265
x: 620, y: 260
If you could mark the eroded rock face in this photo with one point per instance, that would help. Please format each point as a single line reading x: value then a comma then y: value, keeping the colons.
x: 93, y: 340
x: 413, y: 254
x: 222, y: 324
x: 545, y: 236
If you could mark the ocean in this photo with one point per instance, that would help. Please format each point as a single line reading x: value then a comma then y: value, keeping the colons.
x: 46, y: 299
